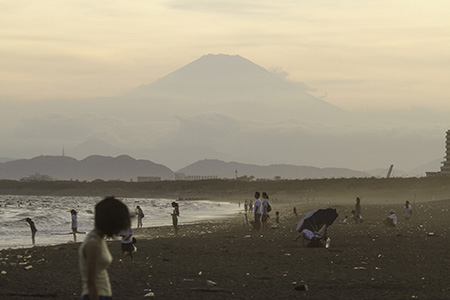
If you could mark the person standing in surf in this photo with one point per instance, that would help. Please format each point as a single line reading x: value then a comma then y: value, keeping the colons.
x: 140, y: 216
x: 33, y: 229
x: 175, y: 215
x: 73, y: 212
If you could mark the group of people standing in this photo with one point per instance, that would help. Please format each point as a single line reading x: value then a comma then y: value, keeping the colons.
x: 260, y: 208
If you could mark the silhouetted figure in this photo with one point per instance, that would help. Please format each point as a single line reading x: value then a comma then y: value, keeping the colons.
x: 33, y: 229
x: 111, y: 217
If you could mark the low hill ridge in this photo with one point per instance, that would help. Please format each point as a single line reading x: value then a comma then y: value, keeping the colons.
x: 211, y: 167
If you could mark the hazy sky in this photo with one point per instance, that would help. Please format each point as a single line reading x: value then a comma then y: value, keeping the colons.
x: 356, y: 54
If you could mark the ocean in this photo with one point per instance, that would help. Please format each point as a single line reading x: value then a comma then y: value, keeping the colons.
x: 51, y: 215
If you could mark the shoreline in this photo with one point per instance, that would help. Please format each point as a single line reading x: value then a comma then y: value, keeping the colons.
x: 224, y: 259
x: 145, y: 232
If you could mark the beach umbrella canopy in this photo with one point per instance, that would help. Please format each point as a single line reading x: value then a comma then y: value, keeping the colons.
x: 316, y: 218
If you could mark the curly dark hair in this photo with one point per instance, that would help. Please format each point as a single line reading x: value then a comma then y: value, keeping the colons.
x: 111, y: 216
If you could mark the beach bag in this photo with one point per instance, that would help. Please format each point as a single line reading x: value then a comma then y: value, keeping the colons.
x: 269, y: 208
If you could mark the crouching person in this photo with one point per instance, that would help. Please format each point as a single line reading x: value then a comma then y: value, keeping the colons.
x: 391, y: 220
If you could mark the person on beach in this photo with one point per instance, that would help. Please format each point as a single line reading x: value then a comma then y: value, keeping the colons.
x: 175, y: 215
x: 126, y: 242
x: 391, y: 221
x: 310, y: 238
x: 33, y: 229
x: 140, y: 215
x: 295, y: 211
x: 407, y: 211
x: 74, y: 226
x: 265, y: 213
x: 277, y: 220
x: 245, y: 213
x: 258, y: 211
x: 358, y: 217
x: 111, y: 217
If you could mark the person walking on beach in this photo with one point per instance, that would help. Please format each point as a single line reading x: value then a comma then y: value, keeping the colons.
x: 265, y: 211
x: 407, y: 211
x: 127, y: 242
x: 140, y: 216
x: 258, y: 211
x: 74, y: 226
x: 111, y: 217
x: 33, y: 229
x: 358, y: 217
x: 175, y: 215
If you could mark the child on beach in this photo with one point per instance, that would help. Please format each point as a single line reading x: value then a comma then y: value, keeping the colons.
x: 391, y: 221
x: 33, y: 229
x: 111, y: 217
x: 127, y: 242
x: 277, y: 220
x: 175, y: 214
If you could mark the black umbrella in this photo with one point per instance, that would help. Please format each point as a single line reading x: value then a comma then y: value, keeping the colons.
x: 317, y: 218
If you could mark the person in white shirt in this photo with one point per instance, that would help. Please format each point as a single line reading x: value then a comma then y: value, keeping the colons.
x: 111, y: 216
x: 391, y: 221
x: 407, y: 211
x: 127, y: 242
x: 265, y: 212
x: 258, y: 211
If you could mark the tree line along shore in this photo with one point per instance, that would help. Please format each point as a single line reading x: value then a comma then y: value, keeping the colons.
x: 320, y: 190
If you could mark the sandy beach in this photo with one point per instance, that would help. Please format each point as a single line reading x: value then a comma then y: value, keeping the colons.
x: 226, y: 259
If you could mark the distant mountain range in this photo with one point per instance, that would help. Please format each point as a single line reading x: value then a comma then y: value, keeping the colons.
x: 228, y: 170
x: 93, y: 167
x: 127, y: 168
x: 228, y: 108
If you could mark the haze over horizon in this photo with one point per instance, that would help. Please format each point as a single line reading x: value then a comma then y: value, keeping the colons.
x: 74, y: 75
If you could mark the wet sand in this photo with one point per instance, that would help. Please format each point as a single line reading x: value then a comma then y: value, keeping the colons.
x: 228, y: 260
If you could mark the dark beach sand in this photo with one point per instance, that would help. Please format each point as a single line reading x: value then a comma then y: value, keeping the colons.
x: 365, y: 261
